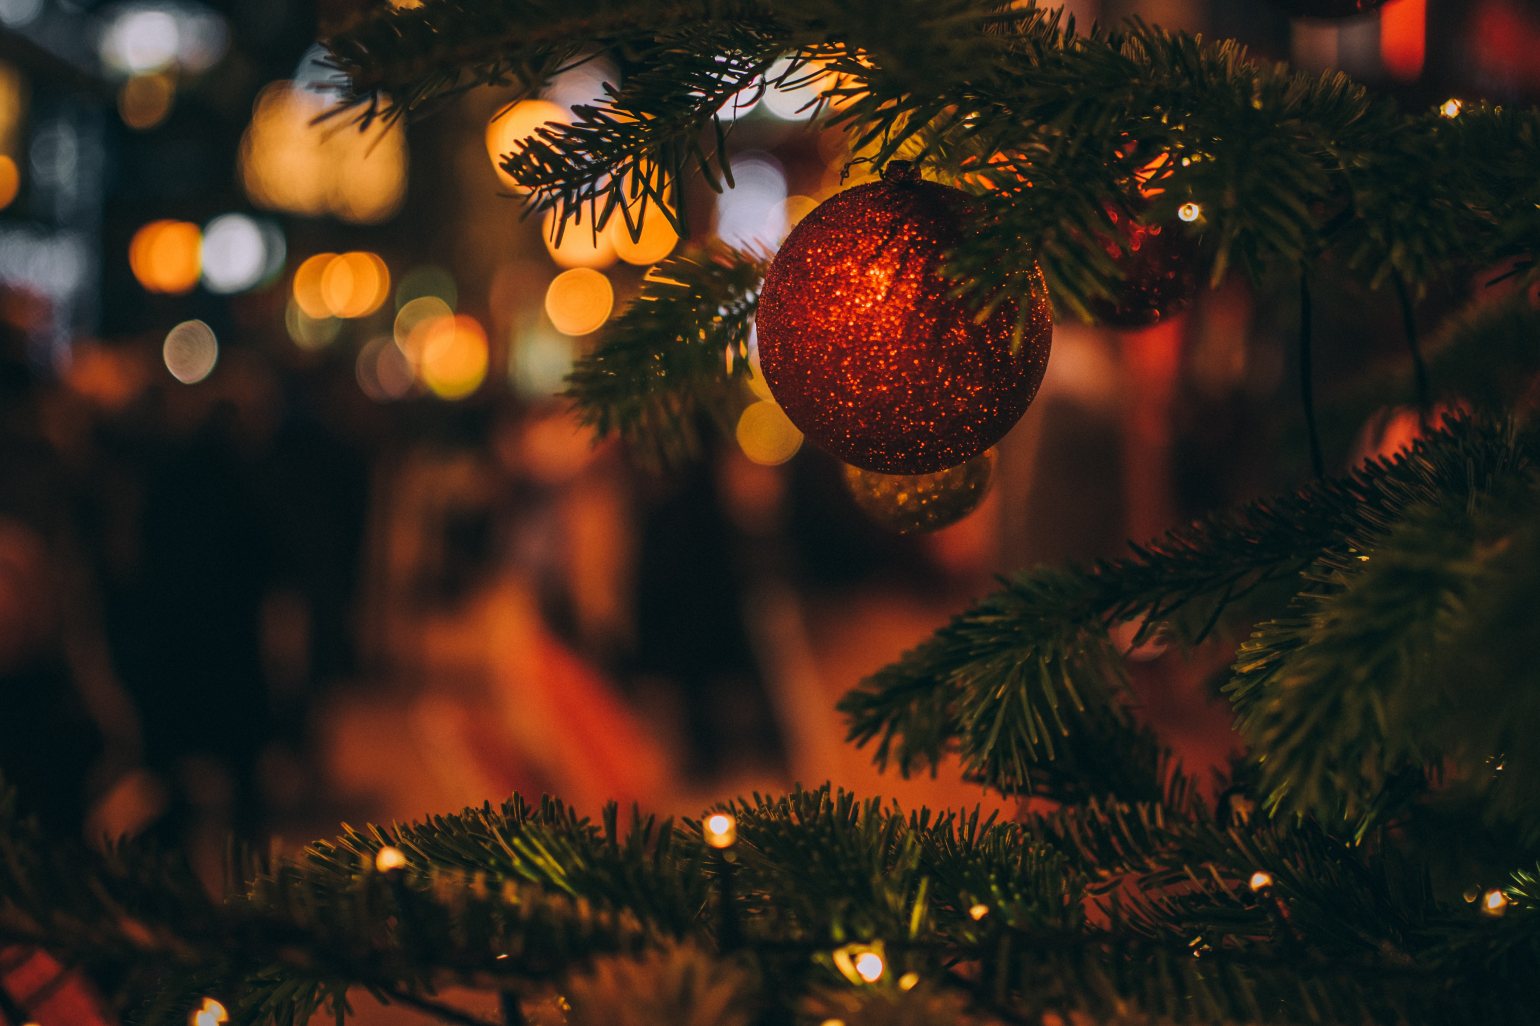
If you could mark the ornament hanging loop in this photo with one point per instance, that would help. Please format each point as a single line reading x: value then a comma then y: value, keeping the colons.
x: 899, y: 171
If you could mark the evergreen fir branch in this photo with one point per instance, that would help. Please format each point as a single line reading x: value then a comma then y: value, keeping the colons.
x: 674, y: 355
x: 1055, y: 124
x: 1374, y: 671
x: 1029, y: 672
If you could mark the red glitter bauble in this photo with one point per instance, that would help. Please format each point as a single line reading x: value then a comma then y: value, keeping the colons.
x: 866, y: 351
x: 1160, y: 273
x: 1332, y: 9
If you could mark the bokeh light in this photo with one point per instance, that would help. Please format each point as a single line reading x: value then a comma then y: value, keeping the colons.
x: 655, y: 241
x: 579, y: 301
x: 511, y: 126
x: 140, y: 39
x: 237, y: 253
x: 752, y: 214
x: 145, y: 101
x: 10, y: 180
x: 190, y: 351
x: 290, y: 163
x: 766, y: 435
x: 454, y: 356
x: 580, y: 245
x: 383, y: 372
x: 354, y: 284
x: 582, y: 82
x: 539, y: 362
x: 165, y: 256
x: 797, y: 102
x: 307, y: 285
x: 309, y: 332
x: 427, y: 280
x: 409, y: 330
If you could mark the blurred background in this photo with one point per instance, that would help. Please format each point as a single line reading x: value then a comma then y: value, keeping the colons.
x: 293, y: 529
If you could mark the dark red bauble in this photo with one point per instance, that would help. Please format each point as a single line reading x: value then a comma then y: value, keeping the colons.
x: 1328, y: 8
x: 867, y: 353
x: 1160, y: 273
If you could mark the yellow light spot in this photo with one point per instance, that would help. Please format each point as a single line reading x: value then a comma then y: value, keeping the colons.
x: 454, y: 356
x: 832, y: 1022
x: 908, y: 981
x: 766, y: 435
x: 757, y: 383
x: 1494, y: 903
x: 1261, y: 880
x: 210, y: 1013
x: 165, y: 256
x: 308, y: 291
x: 354, y: 284
x: 389, y: 858
x: 869, y: 966
x: 288, y: 162
x: 579, y: 245
x: 10, y: 180
x: 720, y: 830
x: 412, y: 323
x: 579, y: 301
x: 190, y: 352
x: 798, y: 207
x: 514, y: 125
x: 1451, y: 108
x: 978, y: 912
x: 1189, y: 212
x: 144, y: 101
x: 656, y: 240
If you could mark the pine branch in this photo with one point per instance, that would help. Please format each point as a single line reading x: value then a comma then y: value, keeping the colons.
x: 674, y: 355
x: 1029, y: 672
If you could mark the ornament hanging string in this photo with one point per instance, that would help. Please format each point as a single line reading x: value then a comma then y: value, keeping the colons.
x: 1306, y: 383
x: 1419, y: 365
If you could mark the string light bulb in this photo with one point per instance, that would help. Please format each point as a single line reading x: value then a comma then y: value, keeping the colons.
x: 1451, y: 108
x: 1261, y: 880
x: 389, y: 858
x: 908, y: 981
x: 720, y: 830
x: 870, y: 966
x: 1494, y: 903
x: 1189, y: 212
x: 978, y: 911
x: 210, y: 1013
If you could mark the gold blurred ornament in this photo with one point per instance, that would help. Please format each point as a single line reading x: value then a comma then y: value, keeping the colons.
x: 914, y: 503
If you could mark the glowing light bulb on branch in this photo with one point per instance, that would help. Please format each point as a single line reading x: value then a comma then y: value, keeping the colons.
x: 720, y: 830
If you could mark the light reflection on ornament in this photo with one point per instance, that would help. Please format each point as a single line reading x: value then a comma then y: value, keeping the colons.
x: 915, y: 503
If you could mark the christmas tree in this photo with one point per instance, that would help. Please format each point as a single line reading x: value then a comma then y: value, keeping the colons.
x: 1373, y: 856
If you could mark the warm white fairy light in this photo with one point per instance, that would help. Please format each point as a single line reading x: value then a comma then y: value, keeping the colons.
x: 389, y: 859
x: 210, y: 1013
x: 908, y: 981
x: 1189, y: 212
x: 1261, y: 880
x: 1451, y: 108
x: 1494, y: 903
x: 720, y: 830
x: 870, y: 966
x: 978, y: 911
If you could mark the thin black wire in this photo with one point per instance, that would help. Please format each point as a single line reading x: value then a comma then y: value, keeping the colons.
x: 1306, y: 384
x: 1419, y: 365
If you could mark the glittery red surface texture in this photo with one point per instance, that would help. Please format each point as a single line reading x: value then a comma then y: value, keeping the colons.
x: 868, y: 355
x: 1160, y: 274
